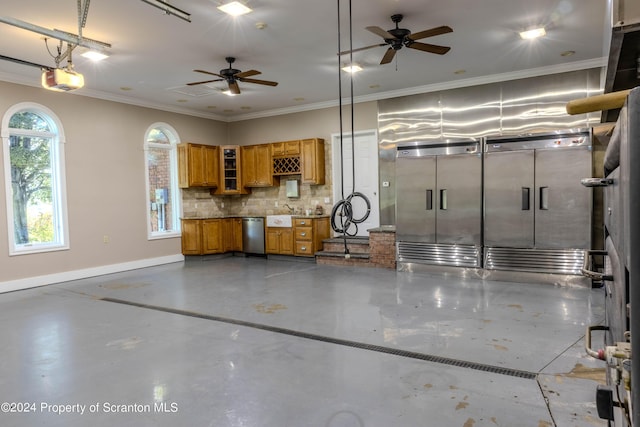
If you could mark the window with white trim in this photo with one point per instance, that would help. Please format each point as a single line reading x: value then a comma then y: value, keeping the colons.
x: 34, y: 175
x: 163, y: 194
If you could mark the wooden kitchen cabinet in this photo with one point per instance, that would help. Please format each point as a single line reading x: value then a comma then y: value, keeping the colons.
x: 286, y: 148
x: 230, y: 171
x: 232, y: 235
x: 309, y: 234
x: 191, y: 237
x: 312, y: 159
x: 256, y: 165
x: 279, y: 240
x: 198, y: 165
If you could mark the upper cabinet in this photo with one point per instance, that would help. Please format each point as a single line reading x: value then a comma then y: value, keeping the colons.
x: 230, y: 171
x: 286, y: 148
x: 256, y: 165
x: 198, y: 165
x: 312, y: 159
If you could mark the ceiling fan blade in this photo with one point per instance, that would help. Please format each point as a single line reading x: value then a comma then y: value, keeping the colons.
x: 247, y: 73
x: 206, y: 81
x: 208, y: 72
x: 260, y: 82
x: 344, y: 52
x: 233, y: 87
x: 388, y: 56
x: 380, y: 32
x: 430, y: 33
x: 431, y: 48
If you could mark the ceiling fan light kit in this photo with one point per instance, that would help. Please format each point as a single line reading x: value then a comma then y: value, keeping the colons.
x: 397, y: 38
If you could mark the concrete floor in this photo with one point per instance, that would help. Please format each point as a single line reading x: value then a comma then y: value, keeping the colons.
x: 254, y: 342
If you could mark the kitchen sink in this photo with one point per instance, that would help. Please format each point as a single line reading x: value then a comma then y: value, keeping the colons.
x: 279, y: 220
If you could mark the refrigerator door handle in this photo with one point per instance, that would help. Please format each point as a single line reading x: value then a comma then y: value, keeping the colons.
x: 429, y: 198
x: 526, y: 198
x: 443, y: 199
x: 544, y: 198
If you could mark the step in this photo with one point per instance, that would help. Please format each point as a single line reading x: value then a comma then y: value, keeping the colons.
x: 338, y: 258
x: 354, y: 244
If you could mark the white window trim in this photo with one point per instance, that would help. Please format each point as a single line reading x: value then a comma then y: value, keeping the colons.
x: 177, y: 206
x: 59, y: 141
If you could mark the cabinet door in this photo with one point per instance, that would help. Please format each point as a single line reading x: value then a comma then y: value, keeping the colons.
x: 249, y: 165
x: 191, y: 237
x: 272, y: 241
x: 212, y: 236
x: 508, y: 199
x: 196, y: 165
x: 211, y: 170
x: 286, y: 241
x: 562, y: 204
x: 237, y: 234
x: 312, y: 159
x: 263, y: 165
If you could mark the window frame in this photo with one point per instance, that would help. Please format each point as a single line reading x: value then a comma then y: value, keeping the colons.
x: 174, y: 140
x: 59, y: 186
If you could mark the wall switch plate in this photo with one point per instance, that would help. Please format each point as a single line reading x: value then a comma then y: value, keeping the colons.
x: 385, y: 183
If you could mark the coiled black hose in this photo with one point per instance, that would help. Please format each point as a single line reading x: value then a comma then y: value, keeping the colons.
x: 342, y: 220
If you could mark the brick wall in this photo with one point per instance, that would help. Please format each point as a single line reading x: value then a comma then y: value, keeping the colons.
x: 382, y: 249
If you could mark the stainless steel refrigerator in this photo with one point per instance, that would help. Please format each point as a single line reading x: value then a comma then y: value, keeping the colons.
x: 439, y: 203
x: 537, y: 215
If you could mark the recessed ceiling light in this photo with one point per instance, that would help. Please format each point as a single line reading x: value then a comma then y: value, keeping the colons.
x: 533, y: 34
x: 211, y: 107
x: 234, y: 8
x: 298, y: 99
x: 459, y: 71
x: 568, y: 53
x: 228, y: 111
x: 126, y: 88
x: 181, y: 100
x: 245, y: 108
x: 353, y: 68
x: 374, y: 86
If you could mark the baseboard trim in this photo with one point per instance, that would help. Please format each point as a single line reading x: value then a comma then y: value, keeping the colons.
x: 49, y: 279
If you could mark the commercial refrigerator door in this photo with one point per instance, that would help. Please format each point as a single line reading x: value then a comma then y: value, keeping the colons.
x: 459, y: 199
x: 562, y: 204
x: 508, y: 198
x: 416, y: 199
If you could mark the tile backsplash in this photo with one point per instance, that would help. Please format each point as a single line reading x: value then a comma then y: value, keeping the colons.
x: 197, y: 202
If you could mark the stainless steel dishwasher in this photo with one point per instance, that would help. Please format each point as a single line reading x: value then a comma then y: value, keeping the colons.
x: 253, y: 235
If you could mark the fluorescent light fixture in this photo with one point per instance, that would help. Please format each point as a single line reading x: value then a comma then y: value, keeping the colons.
x: 533, y: 34
x: 353, y: 68
x: 234, y: 8
x: 169, y: 9
x: 95, y: 55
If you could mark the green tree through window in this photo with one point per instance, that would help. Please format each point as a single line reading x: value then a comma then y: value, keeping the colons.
x: 34, y: 182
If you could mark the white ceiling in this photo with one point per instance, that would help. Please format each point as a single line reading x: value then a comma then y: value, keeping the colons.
x: 155, y: 54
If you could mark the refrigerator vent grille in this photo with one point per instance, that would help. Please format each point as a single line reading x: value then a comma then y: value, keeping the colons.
x: 560, y: 261
x: 433, y: 253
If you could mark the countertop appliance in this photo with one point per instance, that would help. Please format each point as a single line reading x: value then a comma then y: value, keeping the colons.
x: 253, y: 235
x: 439, y: 203
x: 537, y: 215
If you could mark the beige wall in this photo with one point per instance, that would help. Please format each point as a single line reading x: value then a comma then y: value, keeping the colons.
x: 105, y: 172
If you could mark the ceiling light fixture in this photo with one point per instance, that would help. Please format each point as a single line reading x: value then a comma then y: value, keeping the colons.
x: 353, y: 68
x: 235, y: 8
x: 228, y: 92
x: 169, y: 9
x: 533, y: 34
x: 95, y: 55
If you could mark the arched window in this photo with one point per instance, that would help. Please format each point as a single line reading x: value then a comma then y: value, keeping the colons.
x: 163, y: 200
x: 34, y: 175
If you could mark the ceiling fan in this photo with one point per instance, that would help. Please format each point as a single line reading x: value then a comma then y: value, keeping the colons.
x: 397, y: 37
x: 233, y: 76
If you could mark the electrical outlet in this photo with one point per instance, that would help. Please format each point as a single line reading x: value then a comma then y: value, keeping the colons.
x: 105, y: 238
x: 222, y: 205
x: 276, y: 204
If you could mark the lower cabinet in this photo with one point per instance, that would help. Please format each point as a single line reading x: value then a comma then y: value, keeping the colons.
x: 309, y: 234
x: 279, y: 240
x: 211, y: 236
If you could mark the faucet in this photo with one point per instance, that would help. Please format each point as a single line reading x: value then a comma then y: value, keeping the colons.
x: 291, y: 210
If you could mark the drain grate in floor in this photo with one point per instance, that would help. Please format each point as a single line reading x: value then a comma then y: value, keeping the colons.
x: 355, y: 344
